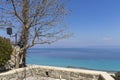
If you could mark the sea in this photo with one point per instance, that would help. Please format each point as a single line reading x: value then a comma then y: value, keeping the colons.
x: 107, y: 59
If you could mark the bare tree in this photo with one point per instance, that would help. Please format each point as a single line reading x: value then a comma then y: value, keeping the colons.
x: 35, y: 21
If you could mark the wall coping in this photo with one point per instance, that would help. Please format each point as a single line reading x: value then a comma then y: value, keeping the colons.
x: 103, y: 74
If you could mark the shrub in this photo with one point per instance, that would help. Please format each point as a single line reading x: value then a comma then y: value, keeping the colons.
x: 5, y: 50
x: 116, y: 76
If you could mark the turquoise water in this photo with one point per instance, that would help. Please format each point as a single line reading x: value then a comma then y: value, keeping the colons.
x: 99, y: 59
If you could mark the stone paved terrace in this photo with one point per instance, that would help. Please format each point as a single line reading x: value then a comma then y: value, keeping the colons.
x: 37, y: 72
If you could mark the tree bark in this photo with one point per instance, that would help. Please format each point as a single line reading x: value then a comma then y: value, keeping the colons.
x: 24, y: 58
x: 24, y: 41
x: 25, y: 32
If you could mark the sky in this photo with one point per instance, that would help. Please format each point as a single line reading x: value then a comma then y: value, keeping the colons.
x: 95, y: 23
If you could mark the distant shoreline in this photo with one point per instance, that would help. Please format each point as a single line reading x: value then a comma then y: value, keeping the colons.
x: 90, y: 69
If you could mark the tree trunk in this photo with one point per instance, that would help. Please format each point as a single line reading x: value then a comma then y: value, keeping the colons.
x: 25, y: 32
x: 24, y: 58
x: 24, y: 41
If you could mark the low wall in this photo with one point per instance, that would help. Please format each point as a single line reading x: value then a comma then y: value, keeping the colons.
x: 54, y: 72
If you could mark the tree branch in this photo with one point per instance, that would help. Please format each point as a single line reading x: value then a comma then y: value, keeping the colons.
x: 15, y: 11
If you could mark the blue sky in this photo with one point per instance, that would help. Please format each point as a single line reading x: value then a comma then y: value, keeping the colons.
x: 93, y: 22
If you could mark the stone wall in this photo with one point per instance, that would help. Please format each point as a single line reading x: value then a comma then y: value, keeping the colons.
x: 54, y: 72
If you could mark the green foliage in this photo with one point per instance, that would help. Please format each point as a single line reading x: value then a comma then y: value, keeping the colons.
x: 5, y: 50
x: 117, y: 76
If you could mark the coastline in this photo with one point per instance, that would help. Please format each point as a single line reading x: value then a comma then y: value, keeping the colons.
x: 84, y: 68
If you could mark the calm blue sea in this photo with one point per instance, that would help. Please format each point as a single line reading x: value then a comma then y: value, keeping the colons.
x: 99, y: 59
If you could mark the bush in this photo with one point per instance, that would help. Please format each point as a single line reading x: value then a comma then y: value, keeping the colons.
x: 5, y: 50
x: 117, y: 76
